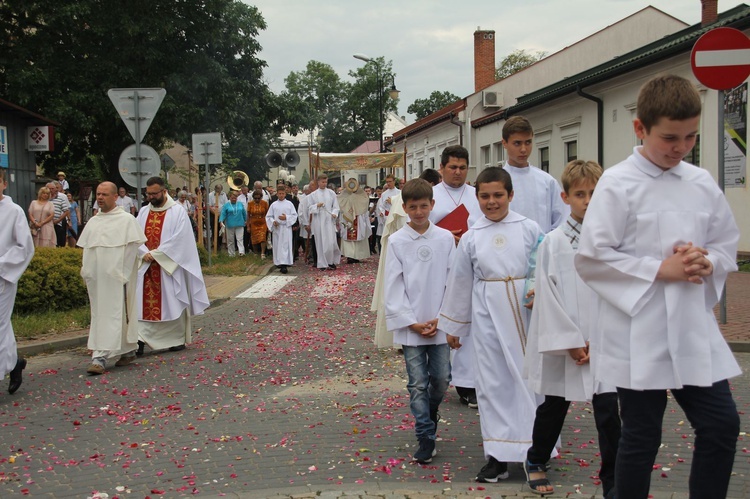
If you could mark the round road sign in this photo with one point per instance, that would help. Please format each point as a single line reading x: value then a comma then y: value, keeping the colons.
x: 721, y: 58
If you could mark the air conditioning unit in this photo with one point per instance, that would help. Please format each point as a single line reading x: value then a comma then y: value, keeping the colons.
x: 492, y: 99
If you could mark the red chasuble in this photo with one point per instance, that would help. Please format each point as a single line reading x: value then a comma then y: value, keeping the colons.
x: 152, y: 278
x: 351, y: 232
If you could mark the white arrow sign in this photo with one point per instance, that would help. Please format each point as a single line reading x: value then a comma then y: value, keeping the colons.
x: 137, y: 107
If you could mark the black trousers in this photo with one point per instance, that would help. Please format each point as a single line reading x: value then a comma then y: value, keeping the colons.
x: 61, y: 230
x: 550, y: 417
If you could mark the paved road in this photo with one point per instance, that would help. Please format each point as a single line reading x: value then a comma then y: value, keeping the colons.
x: 279, y: 396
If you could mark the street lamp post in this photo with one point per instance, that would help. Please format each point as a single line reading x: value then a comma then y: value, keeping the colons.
x: 393, y: 93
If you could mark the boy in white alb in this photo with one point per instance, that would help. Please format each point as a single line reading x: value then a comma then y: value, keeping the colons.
x: 417, y: 266
x: 483, y: 299
x: 537, y: 193
x: 557, y: 350
x: 280, y: 217
x: 657, y: 246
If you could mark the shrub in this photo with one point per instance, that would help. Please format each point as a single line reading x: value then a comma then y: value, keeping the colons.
x: 52, y: 282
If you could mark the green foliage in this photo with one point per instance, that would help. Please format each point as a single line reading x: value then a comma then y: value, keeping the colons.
x: 60, y: 58
x: 436, y: 101
x: 52, y: 282
x: 345, y: 114
x: 40, y: 324
x: 515, y: 62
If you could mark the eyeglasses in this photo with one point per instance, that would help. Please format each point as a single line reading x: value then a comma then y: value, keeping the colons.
x: 153, y: 194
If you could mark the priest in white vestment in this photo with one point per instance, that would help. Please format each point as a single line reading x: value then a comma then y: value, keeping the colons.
x: 324, y: 208
x: 280, y: 217
x: 16, y: 251
x: 170, y: 280
x: 355, y: 222
x: 453, y: 193
x: 110, y: 270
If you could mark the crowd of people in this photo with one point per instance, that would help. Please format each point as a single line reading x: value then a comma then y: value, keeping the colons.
x: 524, y: 294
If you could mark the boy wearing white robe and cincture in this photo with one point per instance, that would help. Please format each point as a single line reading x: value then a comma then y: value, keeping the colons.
x: 280, y: 217
x: 557, y: 351
x: 416, y: 269
x: 483, y: 298
x: 657, y: 246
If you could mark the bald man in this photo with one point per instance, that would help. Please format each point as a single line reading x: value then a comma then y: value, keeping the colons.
x: 110, y: 269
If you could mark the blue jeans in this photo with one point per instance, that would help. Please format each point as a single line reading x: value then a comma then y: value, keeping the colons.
x: 429, y: 370
x: 712, y: 414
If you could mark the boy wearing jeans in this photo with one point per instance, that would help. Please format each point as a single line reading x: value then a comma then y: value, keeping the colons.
x: 417, y: 264
x: 658, y: 243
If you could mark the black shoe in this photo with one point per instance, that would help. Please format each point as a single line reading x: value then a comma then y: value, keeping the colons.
x: 283, y: 270
x: 332, y: 266
x: 493, y: 471
x: 425, y: 452
x: 352, y: 260
x: 141, y: 346
x: 16, y: 376
x: 177, y: 348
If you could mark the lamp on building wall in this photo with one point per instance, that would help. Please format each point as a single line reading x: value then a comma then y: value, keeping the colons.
x: 392, y: 92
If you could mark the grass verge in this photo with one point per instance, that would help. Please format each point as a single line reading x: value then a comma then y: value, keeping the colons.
x: 49, y: 323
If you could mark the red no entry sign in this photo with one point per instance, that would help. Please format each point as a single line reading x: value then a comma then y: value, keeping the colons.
x: 721, y: 58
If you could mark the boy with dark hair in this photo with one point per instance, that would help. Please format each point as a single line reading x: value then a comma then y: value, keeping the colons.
x: 658, y: 244
x: 417, y: 265
x: 483, y: 301
x: 537, y: 192
x: 557, y: 351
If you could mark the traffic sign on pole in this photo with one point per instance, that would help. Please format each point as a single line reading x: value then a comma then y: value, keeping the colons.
x: 137, y: 107
x: 721, y: 58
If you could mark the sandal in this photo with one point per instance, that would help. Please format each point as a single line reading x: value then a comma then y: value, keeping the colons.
x: 536, y: 483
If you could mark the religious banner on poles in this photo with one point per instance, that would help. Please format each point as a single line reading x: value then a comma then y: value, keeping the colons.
x: 735, y: 137
x: 348, y: 161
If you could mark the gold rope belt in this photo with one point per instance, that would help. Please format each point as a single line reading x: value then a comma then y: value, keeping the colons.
x: 515, y: 306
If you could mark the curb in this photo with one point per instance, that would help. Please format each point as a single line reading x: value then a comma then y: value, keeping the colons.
x: 51, y: 346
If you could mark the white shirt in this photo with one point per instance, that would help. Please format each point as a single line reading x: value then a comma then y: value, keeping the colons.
x: 416, y: 271
x: 655, y: 334
x: 536, y: 195
x: 126, y: 203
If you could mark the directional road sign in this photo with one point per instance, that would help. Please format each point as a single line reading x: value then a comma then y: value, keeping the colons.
x: 150, y: 165
x: 137, y: 107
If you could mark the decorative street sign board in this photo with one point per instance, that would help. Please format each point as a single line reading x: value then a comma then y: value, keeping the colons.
x: 137, y: 107
x: 207, y: 148
x: 721, y: 58
x: 150, y: 165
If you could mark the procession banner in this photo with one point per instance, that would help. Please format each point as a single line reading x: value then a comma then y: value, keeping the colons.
x: 339, y: 162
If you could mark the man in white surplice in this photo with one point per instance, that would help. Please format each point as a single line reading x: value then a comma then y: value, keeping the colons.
x: 170, y: 280
x: 280, y: 217
x: 451, y: 193
x: 324, y: 208
x: 355, y: 222
x: 110, y: 270
x: 386, y: 199
x: 16, y: 251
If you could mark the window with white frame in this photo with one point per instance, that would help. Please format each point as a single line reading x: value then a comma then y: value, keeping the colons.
x: 484, y: 154
x: 571, y: 151
x: 544, y: 158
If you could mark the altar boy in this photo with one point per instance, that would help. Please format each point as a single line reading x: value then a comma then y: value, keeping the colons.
x: 557, y: 351
x: 280, y: 217
x: 657, y: 246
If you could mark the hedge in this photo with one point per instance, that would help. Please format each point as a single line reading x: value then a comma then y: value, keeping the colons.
x: 52, y: 282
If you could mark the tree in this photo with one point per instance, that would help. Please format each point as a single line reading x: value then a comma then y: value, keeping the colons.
x: 345, y: 114
x: 59, y: 58
x: 436, y: 101
x: 515, y: 62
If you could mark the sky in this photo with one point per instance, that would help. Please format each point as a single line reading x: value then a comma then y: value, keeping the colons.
x: 431, y: 42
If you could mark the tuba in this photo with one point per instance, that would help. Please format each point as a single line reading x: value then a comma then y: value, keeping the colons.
x: 237, y: 179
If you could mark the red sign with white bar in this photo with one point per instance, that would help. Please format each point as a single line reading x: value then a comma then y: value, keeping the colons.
x: 721, y: 58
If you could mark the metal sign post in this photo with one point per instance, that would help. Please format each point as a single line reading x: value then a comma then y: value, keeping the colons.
x: 720, y: 59
x: 208, y: 145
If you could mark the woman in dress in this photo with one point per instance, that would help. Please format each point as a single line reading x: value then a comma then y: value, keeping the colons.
x: 74, y: 217
x: 41, y: 212
x: 256, y: 221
